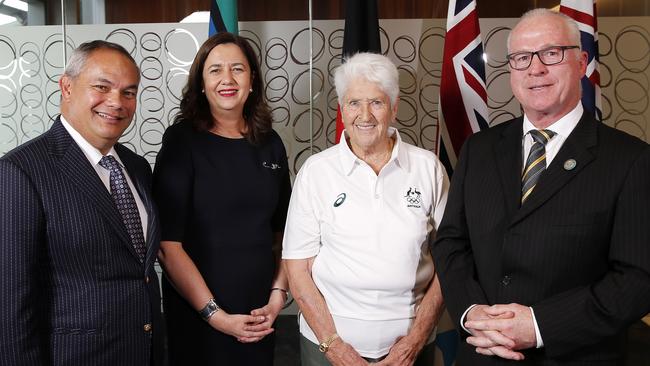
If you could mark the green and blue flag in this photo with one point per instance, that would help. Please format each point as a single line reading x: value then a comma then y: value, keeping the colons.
x: 223, y: 17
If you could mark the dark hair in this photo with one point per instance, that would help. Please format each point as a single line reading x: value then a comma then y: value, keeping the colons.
x: 194, y: 106
x: 80, y: 55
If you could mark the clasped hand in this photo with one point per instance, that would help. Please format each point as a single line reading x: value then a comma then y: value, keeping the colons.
x: 403, y: 353
x: 249, y: 328
x: 501, y: 330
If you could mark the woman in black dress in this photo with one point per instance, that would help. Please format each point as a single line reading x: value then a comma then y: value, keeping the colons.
x: 221, y: 182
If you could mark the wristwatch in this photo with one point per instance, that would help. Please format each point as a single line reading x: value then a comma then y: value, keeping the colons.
x: 324, y: 346
x: 209, y: 310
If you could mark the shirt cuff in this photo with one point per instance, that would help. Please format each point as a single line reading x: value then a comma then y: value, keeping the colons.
x: 538, y: 335
x: 462, y: 319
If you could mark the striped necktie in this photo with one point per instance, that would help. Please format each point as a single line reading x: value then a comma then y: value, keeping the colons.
x: 536, y: 162
x: 126, y: 204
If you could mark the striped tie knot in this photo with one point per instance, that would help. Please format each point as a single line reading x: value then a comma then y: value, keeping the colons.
x: 542, y: 136
x: 536, y: 162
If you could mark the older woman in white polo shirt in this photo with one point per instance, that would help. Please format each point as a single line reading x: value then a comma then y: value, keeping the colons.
x: 355, y: 243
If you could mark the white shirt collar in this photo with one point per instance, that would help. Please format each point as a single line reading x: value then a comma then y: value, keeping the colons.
x: 92, y: 153
x: 349, y: 160
x: 564, y: 126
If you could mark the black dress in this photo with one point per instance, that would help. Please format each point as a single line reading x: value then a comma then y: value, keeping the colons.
x: 223, y: 199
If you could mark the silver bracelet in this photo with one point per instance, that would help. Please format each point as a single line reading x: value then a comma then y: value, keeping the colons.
x: 286, y: 293
x: 209, y: 310
x: 287, y: 300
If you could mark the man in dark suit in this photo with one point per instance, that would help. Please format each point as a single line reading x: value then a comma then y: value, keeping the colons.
x: 544, y: 249
x: 78, y: 229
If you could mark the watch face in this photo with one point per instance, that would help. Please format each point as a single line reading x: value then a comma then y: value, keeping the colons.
x: 324, y: 346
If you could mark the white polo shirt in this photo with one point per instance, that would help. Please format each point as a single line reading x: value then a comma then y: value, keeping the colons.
x: 369, y: 234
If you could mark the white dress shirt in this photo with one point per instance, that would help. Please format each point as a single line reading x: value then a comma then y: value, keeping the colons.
x: 94, y: 156
x: 562, y: 128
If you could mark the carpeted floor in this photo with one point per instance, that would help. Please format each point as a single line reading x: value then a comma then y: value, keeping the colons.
x: 287, y: 349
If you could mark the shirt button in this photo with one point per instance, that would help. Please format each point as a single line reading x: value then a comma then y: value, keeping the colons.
x: 377, y: 195
x: 147, y: 328
x: 505, y: 281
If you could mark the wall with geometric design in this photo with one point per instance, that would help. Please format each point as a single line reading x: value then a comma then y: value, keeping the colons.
x: 31, y: 61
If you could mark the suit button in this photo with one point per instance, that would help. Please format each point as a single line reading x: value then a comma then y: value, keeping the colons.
x: 147, y: 328
x: 146, y: 279
x: 505, y: 281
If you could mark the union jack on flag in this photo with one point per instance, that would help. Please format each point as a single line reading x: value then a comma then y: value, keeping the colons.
x: 463, y: 98
x: 584, y: 13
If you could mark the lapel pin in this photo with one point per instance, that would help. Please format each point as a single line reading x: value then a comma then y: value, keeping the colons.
x: 570, y: 164
x: 272, y: 166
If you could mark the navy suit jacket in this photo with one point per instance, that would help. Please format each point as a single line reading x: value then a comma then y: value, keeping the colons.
x: 73, y: 291
x: 577, y: 251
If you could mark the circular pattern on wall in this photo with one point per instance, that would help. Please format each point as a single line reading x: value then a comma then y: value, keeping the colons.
x: 165, y: 53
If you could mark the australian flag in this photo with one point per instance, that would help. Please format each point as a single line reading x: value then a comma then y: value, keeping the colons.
x: 463, y: 98
x: 584, y: 13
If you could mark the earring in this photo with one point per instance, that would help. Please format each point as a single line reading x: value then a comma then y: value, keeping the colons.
x: 250, y: 90
x: 203, y: 91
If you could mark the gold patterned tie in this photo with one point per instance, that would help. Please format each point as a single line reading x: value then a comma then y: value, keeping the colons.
x: 536, y: 162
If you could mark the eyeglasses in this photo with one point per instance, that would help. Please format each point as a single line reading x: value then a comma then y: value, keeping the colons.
x: 548, y: 56
x: 374, y: 104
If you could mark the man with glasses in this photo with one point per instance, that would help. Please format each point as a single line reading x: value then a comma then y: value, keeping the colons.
x: 543, y: 251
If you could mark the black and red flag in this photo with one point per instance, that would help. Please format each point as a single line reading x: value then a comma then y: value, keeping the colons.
x: 361, y: 34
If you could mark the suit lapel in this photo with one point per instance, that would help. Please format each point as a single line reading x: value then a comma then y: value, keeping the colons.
x: 74, y: 165
x: 577, y: 147
x: 508, y: 157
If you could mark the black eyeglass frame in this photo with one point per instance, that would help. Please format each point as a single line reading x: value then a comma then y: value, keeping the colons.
x: 532, y: 54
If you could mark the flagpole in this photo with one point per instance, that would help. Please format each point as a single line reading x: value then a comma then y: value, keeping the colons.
x: 65, y: 51
x: 311, y: 69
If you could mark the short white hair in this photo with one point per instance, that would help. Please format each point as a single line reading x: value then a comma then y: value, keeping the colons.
x: 372, y: 67
x: 571, y: 25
